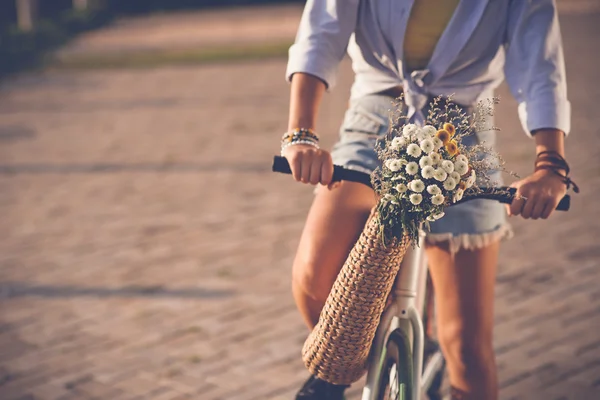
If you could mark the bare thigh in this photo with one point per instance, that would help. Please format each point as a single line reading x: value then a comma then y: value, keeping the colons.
x: 464, y: 289
x: 464, y: 292
x: 334, y: 223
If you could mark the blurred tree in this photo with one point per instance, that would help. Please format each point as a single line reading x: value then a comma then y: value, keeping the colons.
x: 80, y: 4
x: 12, y: 10
x: 27, y: 11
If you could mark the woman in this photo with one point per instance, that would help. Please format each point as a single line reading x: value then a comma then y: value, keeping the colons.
x: 424, y: 48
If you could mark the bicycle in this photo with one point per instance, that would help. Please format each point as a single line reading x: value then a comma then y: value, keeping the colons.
x: 403, y: 361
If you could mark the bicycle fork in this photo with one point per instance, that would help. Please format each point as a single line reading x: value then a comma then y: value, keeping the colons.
x: 405, y: 314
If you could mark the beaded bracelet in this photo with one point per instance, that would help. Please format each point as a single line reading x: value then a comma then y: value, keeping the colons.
x: 299, y: 136
x: 309, y: 142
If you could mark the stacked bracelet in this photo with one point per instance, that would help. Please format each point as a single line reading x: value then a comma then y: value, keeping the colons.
x: 553, y: 161
x: 299, y: 136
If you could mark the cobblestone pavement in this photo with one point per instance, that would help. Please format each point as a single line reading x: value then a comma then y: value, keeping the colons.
x: 146, y: 248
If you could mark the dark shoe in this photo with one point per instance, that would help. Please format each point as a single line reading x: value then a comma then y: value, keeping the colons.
x: 318, y: 389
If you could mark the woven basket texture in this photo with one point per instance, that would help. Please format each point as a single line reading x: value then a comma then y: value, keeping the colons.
x: 338, y: 347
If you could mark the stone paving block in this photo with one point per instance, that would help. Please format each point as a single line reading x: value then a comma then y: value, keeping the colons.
x: 147, y: 249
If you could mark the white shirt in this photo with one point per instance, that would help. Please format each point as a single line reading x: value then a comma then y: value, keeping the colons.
x: 484, y: 41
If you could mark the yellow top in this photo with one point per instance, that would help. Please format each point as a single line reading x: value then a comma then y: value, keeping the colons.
x: 427, y: 22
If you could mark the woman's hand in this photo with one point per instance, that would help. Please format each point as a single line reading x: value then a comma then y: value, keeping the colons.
x: 537, y: 195
x: 310, y: 165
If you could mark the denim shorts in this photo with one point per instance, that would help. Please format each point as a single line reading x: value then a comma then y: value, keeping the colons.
x: 469, y: 225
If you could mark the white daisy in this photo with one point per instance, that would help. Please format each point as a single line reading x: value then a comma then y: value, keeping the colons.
x: 416, y: 186
x: 428, y: 131
x: 463, y: 158
x: 393, y: 164
x: 461, y: 167
x: 412, y: 168
x: 472, y: 179
x: 434, y: 189
x: 413, y: 150
x: 425, y: 161
x: 427, y: 145
x: 409, y: 130
x: 458, y: 195
x: 440, y: 175
x: 388, y: 198
x: 401, y: 188
x: 439, y: 215
x: 448, y: 166
x: 427, y: 172
x: 416, y: 198
x: 455, y: 175
x: 436, y: 158
x: 437, y: 143
x: 398, y: 142
x: 437, y: 199
x: 449, y: 184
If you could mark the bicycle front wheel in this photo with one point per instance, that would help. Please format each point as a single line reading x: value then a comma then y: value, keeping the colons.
x: 396, y: 374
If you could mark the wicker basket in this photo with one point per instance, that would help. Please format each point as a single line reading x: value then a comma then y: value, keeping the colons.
x: 338, y: 347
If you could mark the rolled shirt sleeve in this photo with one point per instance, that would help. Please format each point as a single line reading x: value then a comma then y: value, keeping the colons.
x: 322, y: 38
x: 534, y: 68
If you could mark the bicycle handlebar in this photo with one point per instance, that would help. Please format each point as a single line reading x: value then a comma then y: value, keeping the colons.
x: 504, y: 194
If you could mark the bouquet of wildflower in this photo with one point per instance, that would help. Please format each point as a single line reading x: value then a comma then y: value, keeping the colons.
x: 426, y: 168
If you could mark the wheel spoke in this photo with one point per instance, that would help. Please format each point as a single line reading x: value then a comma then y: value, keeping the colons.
x: 393, y: 394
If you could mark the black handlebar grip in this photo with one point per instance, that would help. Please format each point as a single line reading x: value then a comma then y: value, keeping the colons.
x: 504, y: 195
x: 563, y: 205
x: 280, y: 164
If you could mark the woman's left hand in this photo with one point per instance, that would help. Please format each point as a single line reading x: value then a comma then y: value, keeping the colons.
x: 537, y: 195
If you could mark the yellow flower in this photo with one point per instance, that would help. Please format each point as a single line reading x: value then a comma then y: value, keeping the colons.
x: 443, y: 135
x: 448, y: 127
x: 452, y: 148
x: 462, y: 185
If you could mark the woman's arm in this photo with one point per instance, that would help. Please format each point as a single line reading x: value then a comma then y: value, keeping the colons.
x: 549, y: 140
x: 535, y: 67
x: 305, y: 98
x: 325, y: 29
x: 308, y: 164
x: 535, y: 72
x: 322, y: 38
x: 539, y: 194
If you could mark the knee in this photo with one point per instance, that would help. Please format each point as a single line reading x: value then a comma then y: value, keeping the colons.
x: 469, y: 351
x: 313, y: 278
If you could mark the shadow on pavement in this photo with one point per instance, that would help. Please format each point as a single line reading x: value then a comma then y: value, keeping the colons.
x: 93, y: 168
x: 21, y: 289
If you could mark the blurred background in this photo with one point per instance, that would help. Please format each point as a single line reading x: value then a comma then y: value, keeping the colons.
x: 146, y: 248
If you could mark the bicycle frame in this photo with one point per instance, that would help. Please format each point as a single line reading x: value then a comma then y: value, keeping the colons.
x: 408, y: 293
x: 405, y: 312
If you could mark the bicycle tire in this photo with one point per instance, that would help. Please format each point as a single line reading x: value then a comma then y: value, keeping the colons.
x: 396, y: 361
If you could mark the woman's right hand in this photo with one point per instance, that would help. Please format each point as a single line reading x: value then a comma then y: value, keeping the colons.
x: 310, y: 165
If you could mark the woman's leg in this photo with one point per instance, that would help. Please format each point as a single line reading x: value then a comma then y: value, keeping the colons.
x: 334, y: 223
x: 464, y: 298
